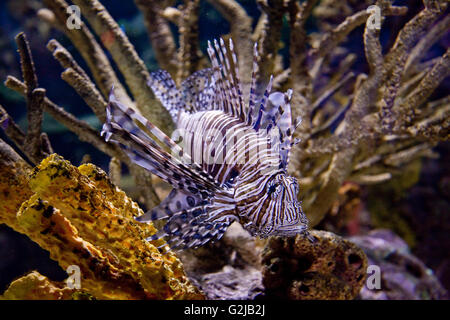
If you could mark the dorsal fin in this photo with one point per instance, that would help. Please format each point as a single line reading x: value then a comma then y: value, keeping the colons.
x: 252, y: 98
x: 237, y: 82
x: 166, y: 91
x: 262, y: 106
x: 198, y: 91
x: 226, y: 74
x: 283, y: 122
x: 220, y: 90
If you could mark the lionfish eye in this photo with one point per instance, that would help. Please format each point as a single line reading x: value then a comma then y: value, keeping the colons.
x: 271, y: 189
x: 274, y: 189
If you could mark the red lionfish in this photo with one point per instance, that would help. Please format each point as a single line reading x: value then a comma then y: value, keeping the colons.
x: 233, y: 163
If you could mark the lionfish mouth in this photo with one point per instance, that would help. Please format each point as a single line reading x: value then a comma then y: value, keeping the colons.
x: 291, y: 231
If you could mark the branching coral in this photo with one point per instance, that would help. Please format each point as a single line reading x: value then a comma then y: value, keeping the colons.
x: 375, y: 128
x: 357, y: 127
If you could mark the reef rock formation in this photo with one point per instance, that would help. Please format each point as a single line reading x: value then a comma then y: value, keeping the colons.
x: 329, y: 268
x: 402, y: 275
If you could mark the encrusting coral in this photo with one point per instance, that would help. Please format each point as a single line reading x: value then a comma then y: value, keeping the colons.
x: 329, y: 268
x: 363, y: 128
x: 82, y: 219
x: 36, y: 286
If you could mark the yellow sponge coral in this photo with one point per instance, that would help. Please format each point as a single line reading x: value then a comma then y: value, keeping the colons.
x: 101, y: 275
x: 35, y: 286
x: 103, y: 215
x: 83, y: 219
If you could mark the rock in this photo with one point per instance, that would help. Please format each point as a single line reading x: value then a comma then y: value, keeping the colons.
x: 229, y: 268
x: 329, y: 268
x: 233, y: 283
x: 403, y: 276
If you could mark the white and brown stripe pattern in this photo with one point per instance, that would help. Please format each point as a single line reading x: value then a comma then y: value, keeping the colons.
x: 230, y: 160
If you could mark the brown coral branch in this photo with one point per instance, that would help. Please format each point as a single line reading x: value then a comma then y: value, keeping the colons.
x: 88, y: 134
x: 49, y: 17
x: 280, y: 81
x: 331, y: 267
x: 427, y: 85
x: 188, y: 54
x: 64, y: 57
x: 86, y: 90
x: 91, y: 51
x: 143, y: 181
x: 403, y: 157
x: 326, y: 125
x: 241, y: 28
x: 34, y: 97
x: 360, y: 124
x: 32, y: 143
x: 408, y: 85
x: 396, y: 59
x: 11, y: 129
x: 131, y: 66
x: 259, y: 28
x: 27, y: 64
x: 372, y: 179
x: 114, y: 171
x: 373, y: 51
x: 14, y: 187
x: 270, y: 38
x: 435, y: 127
x: 412, y: 31
x: 105, y: 273
x: 300, y: 80
x: 80, y: 81
x: 160, y: 35
x: 83, y: 130
x: 390, y: 158
x: 425, y: 43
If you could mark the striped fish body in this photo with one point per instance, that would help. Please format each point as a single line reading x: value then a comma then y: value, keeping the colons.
x: 234, y: 154
x: 224, y: 145
x: 227, y: 160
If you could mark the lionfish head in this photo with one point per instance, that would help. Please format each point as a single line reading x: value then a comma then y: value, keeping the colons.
x: 287, y: 217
